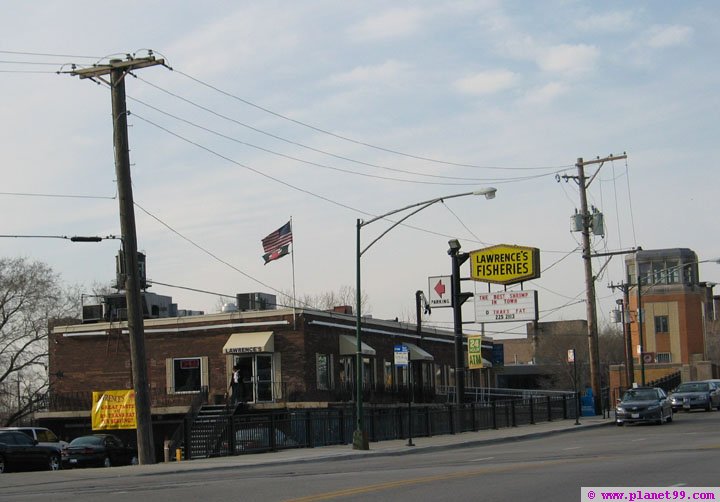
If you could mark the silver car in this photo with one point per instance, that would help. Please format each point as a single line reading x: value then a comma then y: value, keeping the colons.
x: 693, y: 395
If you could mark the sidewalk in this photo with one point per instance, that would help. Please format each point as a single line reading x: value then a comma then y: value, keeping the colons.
x: 337, y: 452
x: 386, y: 448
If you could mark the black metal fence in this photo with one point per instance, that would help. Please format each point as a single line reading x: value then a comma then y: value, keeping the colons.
x: 227, y: 434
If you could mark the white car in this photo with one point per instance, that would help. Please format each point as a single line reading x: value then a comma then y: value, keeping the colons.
x: 44, y: 437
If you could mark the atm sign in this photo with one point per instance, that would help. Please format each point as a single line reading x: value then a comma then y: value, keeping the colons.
x: 504, y: 264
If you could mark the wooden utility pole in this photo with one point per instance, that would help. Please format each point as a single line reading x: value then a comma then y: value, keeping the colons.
x: 118, y: 69
x: 594, y: 353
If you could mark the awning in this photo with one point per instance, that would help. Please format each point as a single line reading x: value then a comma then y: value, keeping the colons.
x: 249, y: 343
x: 418, y: 354
x: 348, y: 346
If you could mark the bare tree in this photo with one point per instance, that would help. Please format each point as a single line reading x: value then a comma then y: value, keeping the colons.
x: 325, y: 301
x: 31, y: 300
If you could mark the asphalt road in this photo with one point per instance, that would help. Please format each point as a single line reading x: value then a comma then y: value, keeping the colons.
x: 685, y: 453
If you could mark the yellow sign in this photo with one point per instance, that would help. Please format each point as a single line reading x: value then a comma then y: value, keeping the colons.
x: 504, y: 264
x: 475, y: 360
x: 113, y: 409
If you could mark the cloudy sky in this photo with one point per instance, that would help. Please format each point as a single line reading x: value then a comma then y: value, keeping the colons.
x: 325, y: 112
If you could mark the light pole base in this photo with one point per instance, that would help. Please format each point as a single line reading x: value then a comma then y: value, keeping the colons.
x: 360, y: 440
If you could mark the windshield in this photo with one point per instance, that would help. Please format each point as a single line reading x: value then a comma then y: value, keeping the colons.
x: 86, y: 441
x: 693, y: 387
x: 640, y: 395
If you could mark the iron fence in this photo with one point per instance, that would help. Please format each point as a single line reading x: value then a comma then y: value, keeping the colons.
x: 228, y: 434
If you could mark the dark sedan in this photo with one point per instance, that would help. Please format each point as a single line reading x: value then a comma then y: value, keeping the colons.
x: 100, y: 450
x: 695, y: 395
x: 643, y: 404
x: 19, y: 453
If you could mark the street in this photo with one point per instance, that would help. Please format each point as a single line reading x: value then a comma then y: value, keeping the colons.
x: 550, y: 468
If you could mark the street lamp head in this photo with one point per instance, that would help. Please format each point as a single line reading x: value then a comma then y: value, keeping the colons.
x: 488, y: 192
x: 454, y: 246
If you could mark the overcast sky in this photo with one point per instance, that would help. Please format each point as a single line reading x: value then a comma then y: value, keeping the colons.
x: 325, y: 112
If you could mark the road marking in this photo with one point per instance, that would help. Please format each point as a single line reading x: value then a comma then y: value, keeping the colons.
x: 639, y: 439
x: 573, y: 448
x: 348, y: 492
x: 481, y: 459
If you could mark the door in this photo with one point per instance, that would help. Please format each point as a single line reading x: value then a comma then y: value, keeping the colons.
x: 256, y: 375
x: 263, y: 377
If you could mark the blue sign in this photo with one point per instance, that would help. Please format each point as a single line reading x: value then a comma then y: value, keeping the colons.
x: 402, y: 356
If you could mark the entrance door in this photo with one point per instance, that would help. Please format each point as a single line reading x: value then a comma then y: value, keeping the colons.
x: 263, y: 377
x: 256, y: 374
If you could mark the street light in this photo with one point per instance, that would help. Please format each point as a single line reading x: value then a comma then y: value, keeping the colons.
x: 360, y: 440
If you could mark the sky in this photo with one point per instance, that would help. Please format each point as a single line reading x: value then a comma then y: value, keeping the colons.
x: 325, y: 112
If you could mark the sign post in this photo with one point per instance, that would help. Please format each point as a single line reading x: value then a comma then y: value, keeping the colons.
x: 402, y: 360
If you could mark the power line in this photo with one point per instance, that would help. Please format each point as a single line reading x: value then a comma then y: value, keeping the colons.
x: 289, y: 185
x: 310, y: 148
x: 357, y: 142
x: 67, y: 196
x: 296, y: 159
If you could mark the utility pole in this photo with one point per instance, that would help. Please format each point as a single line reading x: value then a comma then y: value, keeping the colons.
x: 624, y: 305
x: 587, y: 225
x: 118, y: 70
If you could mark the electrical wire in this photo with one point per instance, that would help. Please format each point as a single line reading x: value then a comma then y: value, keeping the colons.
x: 357, y: 142
x: 289, y: 185
x: 307, y: 147
x: 316, y: 164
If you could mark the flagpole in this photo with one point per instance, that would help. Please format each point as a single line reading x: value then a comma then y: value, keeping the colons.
x: 292, y: 256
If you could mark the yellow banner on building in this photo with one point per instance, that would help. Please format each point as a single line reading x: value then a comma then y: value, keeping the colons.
x: 113, y: 409
x: 475, y: 360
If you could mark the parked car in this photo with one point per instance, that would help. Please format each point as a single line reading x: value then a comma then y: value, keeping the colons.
x: 101, y: 450
x: 42, y: 435
x: 643, y: 404
x: 19, y: 453
x: 697, y: 394
x: 258, y: 439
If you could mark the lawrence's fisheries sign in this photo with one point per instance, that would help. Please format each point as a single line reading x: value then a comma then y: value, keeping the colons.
x: 504, y: 264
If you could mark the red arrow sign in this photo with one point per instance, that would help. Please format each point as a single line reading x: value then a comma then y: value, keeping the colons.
x: 440, y: 288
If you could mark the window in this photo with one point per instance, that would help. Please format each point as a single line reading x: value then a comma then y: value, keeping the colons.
x: 673, y: 272
x: 661, y: 324
x: 186, y: 374
x: 323, y: 371
x: 663, y: 357
x: 387, y: 374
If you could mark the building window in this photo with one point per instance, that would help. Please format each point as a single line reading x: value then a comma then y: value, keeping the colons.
x: 388, y: 374
x: 673, y: 272
x: 187, y: 374
x: 661, y: 324
x: 324, y: 375
x: 663, y: 357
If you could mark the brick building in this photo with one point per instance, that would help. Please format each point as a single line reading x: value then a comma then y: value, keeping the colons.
x: 678, y: 310
x: 288, y: 358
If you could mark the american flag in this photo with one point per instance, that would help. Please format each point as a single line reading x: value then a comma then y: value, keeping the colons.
x: 277, y: 239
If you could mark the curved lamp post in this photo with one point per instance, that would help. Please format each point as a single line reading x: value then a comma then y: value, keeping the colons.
x: 360, y: 440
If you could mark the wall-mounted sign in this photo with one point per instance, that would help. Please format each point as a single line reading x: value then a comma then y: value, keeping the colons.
x: 504, y: 264
x: 440, y: 291
x: 506, y: 306
x: 113, y: 409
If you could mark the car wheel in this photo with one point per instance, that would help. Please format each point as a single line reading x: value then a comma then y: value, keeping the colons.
x: 669, y: 418
x: 662, y: 418
x: 54, y: 463
x: 709, y: 406
x: 106, y: 462
x: 2, y: 464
